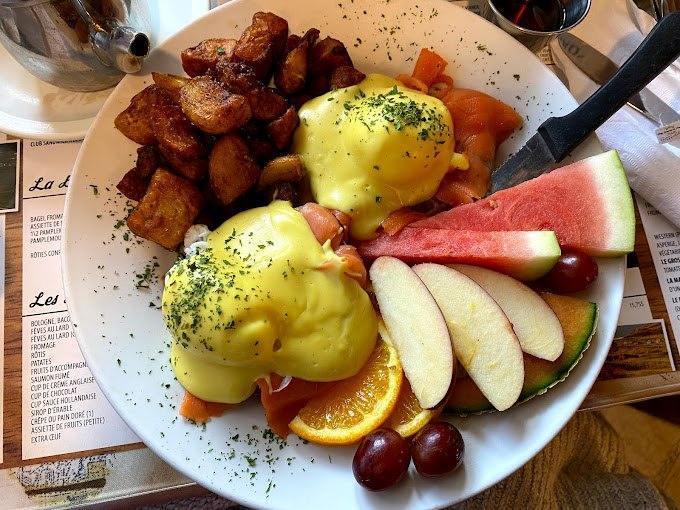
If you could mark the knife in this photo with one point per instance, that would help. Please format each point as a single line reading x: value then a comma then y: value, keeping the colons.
x: 600, y: 68
x: 558, y: 136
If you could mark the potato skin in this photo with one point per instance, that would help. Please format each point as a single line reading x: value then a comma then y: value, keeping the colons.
x: 167, y: 210
x: 261, y: 43
x: 193, y: 169
x: 133, y: 185
x: 288, y: 168
x: 211, y: 108
x: 345, y: 76
x: 175, y: 133
x: 266, y: 104
x: 171, y: 83
x: 327, y: 55
x: 232, y: 169
x: 291, y: 73
x: 203, y: 57
x: 237, y: 77
x: 134, y: 122
x: 148, y: 160
x: 281, y: 130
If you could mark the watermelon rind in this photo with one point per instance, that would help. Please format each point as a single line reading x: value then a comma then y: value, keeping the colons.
x: 618, y: 201
x: 547, y: 251
x: 533, y: 392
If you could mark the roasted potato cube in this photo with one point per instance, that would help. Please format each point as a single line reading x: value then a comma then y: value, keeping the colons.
x: 292, y: 42
x: 134, y: 122
x: 211, y: 108
x: 318, y: 85
x: 291, y: 73
x: 133, y: 185
x: 232, y: 169
x: 204, y: 56
x: 284, y: 191
x: 281, y: 130
x: 148, y: 160
x: 345, y: 76
x: 171, y: 83
x: 262, y: 150
x: 266, y: 104
x: 167, y: 210
x: 175, y: 133
x: 327, y: 55
x: 237, y: 77
x: 311, y: 36
x: 287, y: 168
x: 298, y: 100
x: 261, y: 43
x: 193, y: 169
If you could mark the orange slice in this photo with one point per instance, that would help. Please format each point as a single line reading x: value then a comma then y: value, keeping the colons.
x: 355, y: 406
x: 408, y: 417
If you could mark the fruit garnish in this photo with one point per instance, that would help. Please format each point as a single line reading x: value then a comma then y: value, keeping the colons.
x: 381, y: 459
x: 408, y: 417
x: 438, y: 449
x: 574, y: 271
x: 356, y: 406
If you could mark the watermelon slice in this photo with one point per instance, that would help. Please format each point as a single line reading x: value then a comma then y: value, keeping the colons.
x: 587, y: 204
x: 523, y: 255
x: 578, y: 319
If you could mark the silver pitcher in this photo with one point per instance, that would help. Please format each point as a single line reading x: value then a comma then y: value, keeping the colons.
x: 81, y: 45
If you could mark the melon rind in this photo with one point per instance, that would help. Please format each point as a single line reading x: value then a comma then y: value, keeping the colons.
x: 610, y: 176
x: 547, y: 251
x: 561, y: 376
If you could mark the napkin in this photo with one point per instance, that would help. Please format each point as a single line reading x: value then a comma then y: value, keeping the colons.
x: 616, y: 28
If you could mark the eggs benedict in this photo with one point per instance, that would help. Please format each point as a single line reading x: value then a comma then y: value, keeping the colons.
x: 373, y: 148
x: 263, y: 296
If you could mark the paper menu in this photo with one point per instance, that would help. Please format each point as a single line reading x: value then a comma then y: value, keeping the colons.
x: 63, y: 409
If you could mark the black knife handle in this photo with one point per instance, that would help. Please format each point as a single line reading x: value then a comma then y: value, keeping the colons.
x: 658, y: 50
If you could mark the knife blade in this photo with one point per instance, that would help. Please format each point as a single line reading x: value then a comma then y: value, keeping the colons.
x: 558, y: 136
x: 600, y: 68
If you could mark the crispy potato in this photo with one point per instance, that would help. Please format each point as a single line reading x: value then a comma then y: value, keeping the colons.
x: 345, y: 76
x: 261, y: 43
x: 287, y: 168
x: 211, y: 108
x: 171, y: 83
x: 327, y: 55
x: 134, y: 121
x: 204, y: 56
x: 232, y: 169
x: 298, y: 100
x: 175, y: 133
x: 262, y: 150
x: 311, y: 36
x: 193, y: 169
x: 148, y: 160
x: 284, y: 191
x: 167, y: 210
x: 292, y: 42
x: 237, y: 77
x: 132, y: 185
x: 266, y: 104
x: 281, y: 130
x: 291, y: 73
x: 318, y: 85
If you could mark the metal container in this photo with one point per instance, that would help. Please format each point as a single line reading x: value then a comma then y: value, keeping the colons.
x: 81, y: 45
x: 575, y: 12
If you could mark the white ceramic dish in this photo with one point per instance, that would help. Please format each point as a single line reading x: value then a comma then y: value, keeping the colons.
x: 125, y: 342
x: 31, y: 108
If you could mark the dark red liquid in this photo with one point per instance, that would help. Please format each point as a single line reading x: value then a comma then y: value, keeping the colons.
x: 539, y: 15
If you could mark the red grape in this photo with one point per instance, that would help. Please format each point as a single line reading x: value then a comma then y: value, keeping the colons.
x: 437, y: 449
x: 381, y: 459
x: 573, y: 271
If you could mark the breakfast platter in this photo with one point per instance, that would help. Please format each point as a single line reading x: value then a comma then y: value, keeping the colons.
x: 342, y: 279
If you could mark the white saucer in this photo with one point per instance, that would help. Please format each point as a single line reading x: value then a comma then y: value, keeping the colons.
x: 30, y: 108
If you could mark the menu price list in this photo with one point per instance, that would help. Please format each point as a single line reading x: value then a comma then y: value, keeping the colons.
x: 63, y: 409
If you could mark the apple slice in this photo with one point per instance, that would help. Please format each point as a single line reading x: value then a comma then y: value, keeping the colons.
x: 482, y: 335
x: 535, y: 324
x: 416, y: 327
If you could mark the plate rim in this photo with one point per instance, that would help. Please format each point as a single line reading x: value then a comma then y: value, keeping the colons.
x: 245, y: 499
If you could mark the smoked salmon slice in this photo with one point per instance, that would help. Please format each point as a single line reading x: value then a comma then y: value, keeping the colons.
x: 324, y: 224
x: 282, y: 405
x: 198, y: 410
x: 353, y: 265
x: 481, y: 123
x: 398, y: 219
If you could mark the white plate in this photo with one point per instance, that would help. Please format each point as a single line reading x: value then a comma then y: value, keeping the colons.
x: 31, y: 108
x: 117, y: 323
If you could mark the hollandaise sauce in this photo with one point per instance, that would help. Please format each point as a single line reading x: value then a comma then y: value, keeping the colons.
x: 373, y: 148
x: 264, y: 296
